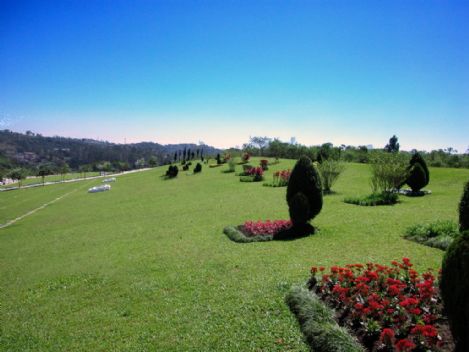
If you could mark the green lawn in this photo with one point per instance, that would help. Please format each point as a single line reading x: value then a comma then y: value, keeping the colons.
x: 50, y: 178
x: 146, y: 267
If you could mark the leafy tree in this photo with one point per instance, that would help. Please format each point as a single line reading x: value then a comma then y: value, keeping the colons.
x: 18, y: 174
x: 260, y: 142
x: 218, y: 159
x: 44, y: 170
x: 330, y: 171
x: 175, y: 156
x: 63, y: 169
x: 84, y: 169
x: 304, y: 195
x: 152, y: 162
x: 392, y: 146
x: 198, y: 168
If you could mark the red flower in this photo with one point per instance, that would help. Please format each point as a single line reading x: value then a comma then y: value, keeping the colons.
x: 404, y: 345
x: 387, y: 336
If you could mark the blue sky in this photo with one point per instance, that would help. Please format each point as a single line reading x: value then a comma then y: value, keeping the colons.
x: 351, y: 72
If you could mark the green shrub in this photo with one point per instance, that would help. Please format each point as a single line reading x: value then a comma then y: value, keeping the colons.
x: 464, y: 209
x: 172, y: 171
x: 317, y: 323
x: 417, y: 159
x: 304, y: 192
x: 417, y: 177
x: 439, y: 234
x: 330, y: 171
x: 388, y: 172
x: 384, y: 198
x: 237, y: 236
x: 197, y: 168
x: 454, y: 286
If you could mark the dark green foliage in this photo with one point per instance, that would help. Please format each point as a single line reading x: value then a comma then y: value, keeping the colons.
x: 44, y: 170
x: 392, y: 146
x: 417, y: 177
x: 384, y: 198
x: 172, y: 171
x: 454, y: 286
x: 304, y: 192
x: 185, y: 167
x: 218, y: 159
x: 439, y: 234
x: 464, y: 209
x: 18, y: 174
x: 237, y: 236
x: 417, y: 158
x: 317, y: 323
x: 198, y: 168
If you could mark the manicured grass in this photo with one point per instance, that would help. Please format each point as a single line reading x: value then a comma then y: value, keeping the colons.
x: 146, y: 266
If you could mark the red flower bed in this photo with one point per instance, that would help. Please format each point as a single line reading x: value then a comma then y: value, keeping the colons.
x: 256, y: 171
x: 254, y: 228
x: 282, y: 177
x: 391, y: 308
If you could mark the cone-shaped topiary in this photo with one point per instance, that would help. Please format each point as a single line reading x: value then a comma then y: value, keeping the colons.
x: 417, y: 177
x: 304, y: 192
x: 464, y: 210
x: 454, y: 286
x: 417, y: 158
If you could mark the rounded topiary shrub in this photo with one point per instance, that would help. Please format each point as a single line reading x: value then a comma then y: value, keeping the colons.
x: 417, y: 158
x: 454, y: 286
x: 304, y: 193
x: 417, y: 177
x: 464, y: 210
x: 197, y: 168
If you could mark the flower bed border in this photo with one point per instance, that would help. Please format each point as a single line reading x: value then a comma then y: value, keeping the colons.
x: 236, y: 235
x: 317, y: 323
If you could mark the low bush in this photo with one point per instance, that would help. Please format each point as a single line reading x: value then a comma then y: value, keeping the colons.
x: 236, y: 235
x: 439, y: 234
x: 317, y: 323
x: 197, y: 168
x: 264, y: 164
x: 172, y: 171
x: 388, y: 172
x: 255, y: 174
x: 385, y: 198
x: 280, y: 179
x: 330, y: 171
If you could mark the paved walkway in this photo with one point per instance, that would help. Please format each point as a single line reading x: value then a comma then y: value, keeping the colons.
x: 71, y: 180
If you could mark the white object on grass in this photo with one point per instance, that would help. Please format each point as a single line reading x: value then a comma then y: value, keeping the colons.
x: 99, y: 188
x: 111, y: 179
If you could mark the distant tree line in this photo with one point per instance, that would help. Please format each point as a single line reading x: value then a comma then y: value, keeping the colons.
x: 265, y: 146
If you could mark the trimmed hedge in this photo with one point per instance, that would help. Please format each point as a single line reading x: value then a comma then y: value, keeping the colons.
x: 464, y: 209
x: 317, y: 323
x: 304, y: 192
x: 438, y: 234
x: 237, y: 236
x: 385, y: 198
x: 454, y: 286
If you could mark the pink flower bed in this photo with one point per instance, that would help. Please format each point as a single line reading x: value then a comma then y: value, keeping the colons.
x: 254, y: 228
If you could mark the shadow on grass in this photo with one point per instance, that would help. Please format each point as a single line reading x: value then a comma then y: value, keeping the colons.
x: 236, y: 234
